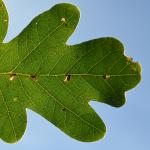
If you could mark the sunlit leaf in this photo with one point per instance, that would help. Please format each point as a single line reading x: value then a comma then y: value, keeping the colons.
x: 39, y: 71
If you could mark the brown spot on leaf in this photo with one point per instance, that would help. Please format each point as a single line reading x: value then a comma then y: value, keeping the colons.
x: 106, y: 77
x: 63, y: 20
x: 129, y: 58
x: 63, y: 109
x: 12, y: 76
x: 34, y: 77
x: 67, y: 78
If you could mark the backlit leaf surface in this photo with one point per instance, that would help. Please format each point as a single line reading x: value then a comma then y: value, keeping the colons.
x: 39, y: 71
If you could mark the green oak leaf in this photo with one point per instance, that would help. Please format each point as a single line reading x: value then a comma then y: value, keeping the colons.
x: 40, y: 72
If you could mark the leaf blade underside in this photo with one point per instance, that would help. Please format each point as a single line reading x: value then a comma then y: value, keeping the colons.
x: 40, y: 72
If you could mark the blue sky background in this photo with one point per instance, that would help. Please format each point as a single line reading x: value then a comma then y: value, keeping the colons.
x: 128, y: 127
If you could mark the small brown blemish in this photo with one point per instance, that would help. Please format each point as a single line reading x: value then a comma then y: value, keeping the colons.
x: 63, y: 109
x: 34, y: 77
x: 106, y: 77
x: 67, y: 78
x: 12, y: 76
x: 129, y: 59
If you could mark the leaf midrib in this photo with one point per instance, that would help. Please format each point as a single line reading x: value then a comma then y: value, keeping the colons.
x: 58, y: 75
